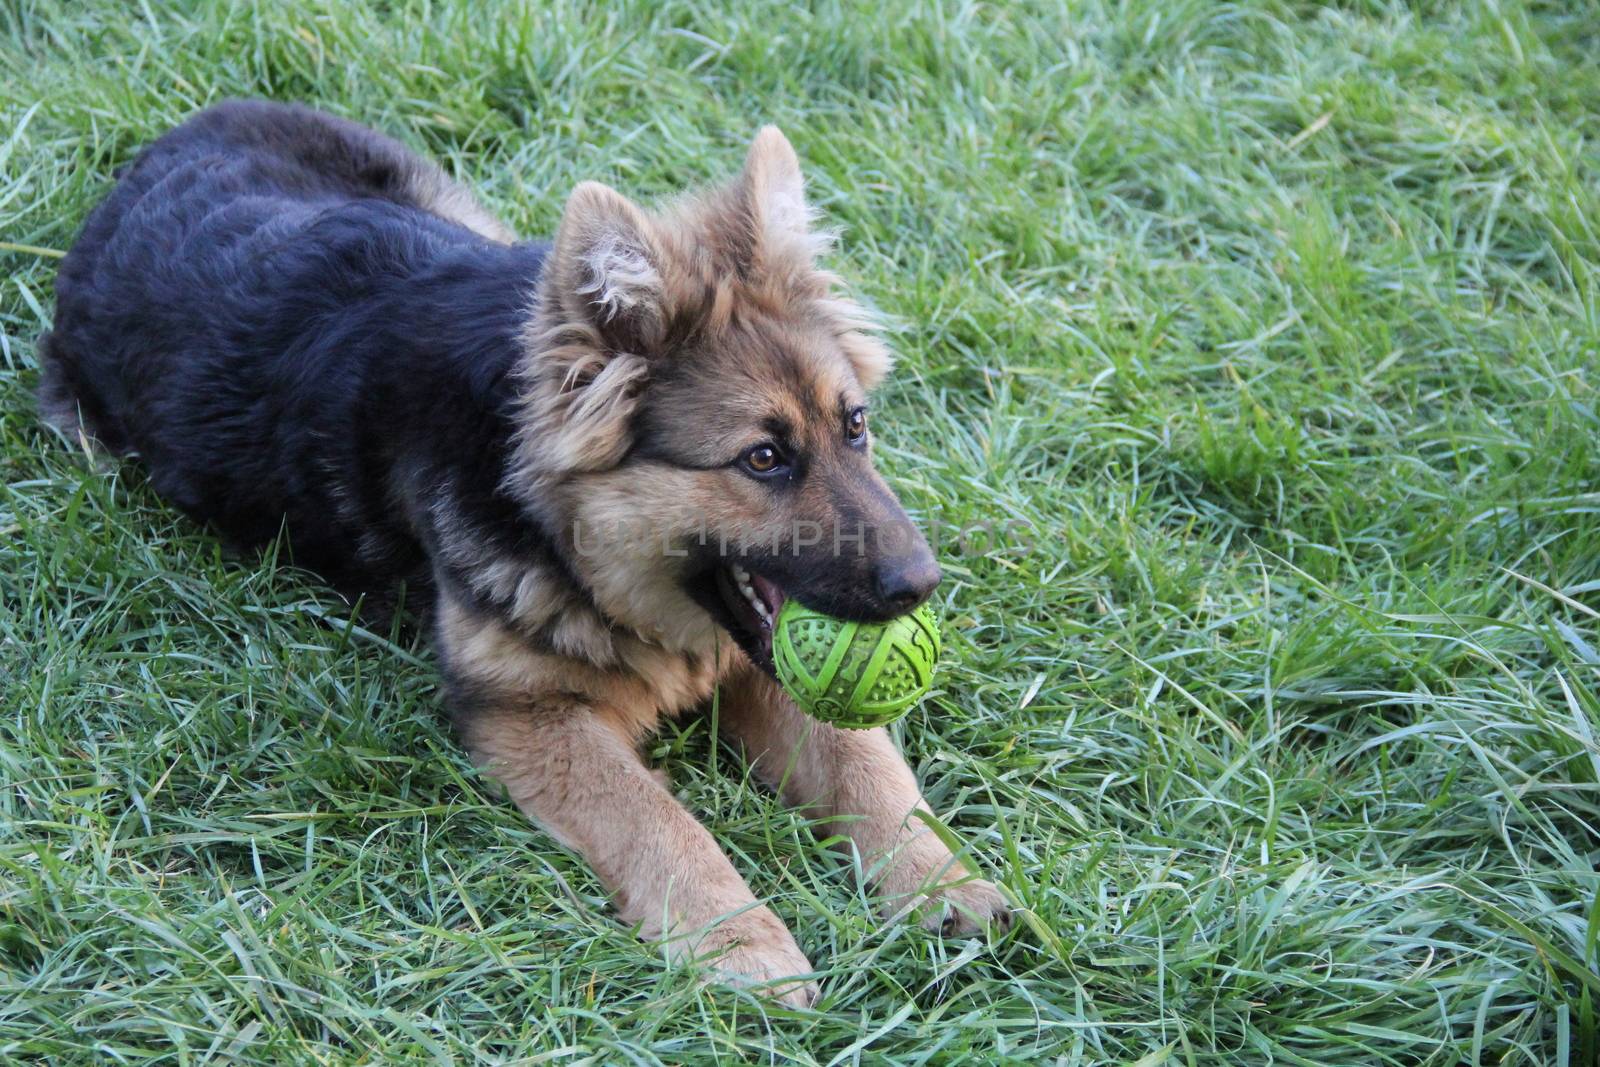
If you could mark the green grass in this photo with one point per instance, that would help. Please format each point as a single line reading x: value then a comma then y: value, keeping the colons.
x: 1278, y: 326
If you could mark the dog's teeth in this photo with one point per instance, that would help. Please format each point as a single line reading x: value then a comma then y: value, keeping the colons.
x: 741, y: 579
x: 757, y: 603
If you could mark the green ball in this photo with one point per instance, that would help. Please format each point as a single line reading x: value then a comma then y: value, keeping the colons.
x: 854, y: 674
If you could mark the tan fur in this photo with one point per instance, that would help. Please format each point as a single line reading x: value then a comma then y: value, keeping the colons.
x: 859, y: 783
x: 638, y: 684
x: 559, y: 735
x: 435, y: 191
x: 739, y: 266
x: 744, y: 247
x: 715, y: 312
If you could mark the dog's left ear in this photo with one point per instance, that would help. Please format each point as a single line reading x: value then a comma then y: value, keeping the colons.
x: 781, y: 222
x: 785, y: 244
x: 777, y: 192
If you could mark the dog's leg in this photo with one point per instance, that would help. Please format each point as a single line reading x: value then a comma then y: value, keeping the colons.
x: 859, y: 783
x: 571, y: 766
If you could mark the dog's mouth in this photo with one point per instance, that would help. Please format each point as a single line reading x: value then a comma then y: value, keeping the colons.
x: 752, y: 604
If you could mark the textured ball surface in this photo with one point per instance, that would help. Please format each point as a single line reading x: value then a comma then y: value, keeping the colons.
x: 854, y: 674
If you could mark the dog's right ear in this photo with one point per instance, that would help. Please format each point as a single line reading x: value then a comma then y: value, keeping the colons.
x: 602, y: 310
x: 606, y: 269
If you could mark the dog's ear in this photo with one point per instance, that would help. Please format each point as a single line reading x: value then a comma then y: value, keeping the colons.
x: 783, y: 239
x: 772, y: 179
x: 602, y: 309
x: 607, y: 269
x: 785, y: 245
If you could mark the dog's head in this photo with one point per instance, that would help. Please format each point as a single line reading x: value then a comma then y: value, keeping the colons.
x: 695, y: 416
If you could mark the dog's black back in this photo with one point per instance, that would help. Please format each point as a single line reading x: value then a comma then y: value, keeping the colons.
x: 272, y: 312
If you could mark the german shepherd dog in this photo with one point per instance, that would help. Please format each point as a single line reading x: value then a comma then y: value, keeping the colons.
x: 606, y: 459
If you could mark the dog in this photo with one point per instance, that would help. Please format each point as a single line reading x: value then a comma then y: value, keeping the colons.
x: 605, y: 459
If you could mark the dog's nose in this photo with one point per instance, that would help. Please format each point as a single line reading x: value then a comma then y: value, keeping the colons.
x: 906, y: 581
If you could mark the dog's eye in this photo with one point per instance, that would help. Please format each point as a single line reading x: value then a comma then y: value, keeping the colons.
x: 856, y: 425
x: 763, y: 459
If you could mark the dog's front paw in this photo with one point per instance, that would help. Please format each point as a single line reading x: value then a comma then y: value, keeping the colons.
x: 754, y: 950
x: 964, y: 909
x: 958, y: 905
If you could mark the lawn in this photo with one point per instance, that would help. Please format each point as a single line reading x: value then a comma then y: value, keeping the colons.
x: 1248, y: 368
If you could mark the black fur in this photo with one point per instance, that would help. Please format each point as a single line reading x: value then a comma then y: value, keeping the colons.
x: 267, y: 314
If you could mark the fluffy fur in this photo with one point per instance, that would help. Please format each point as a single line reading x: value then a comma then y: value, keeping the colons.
x: 297, y: 324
